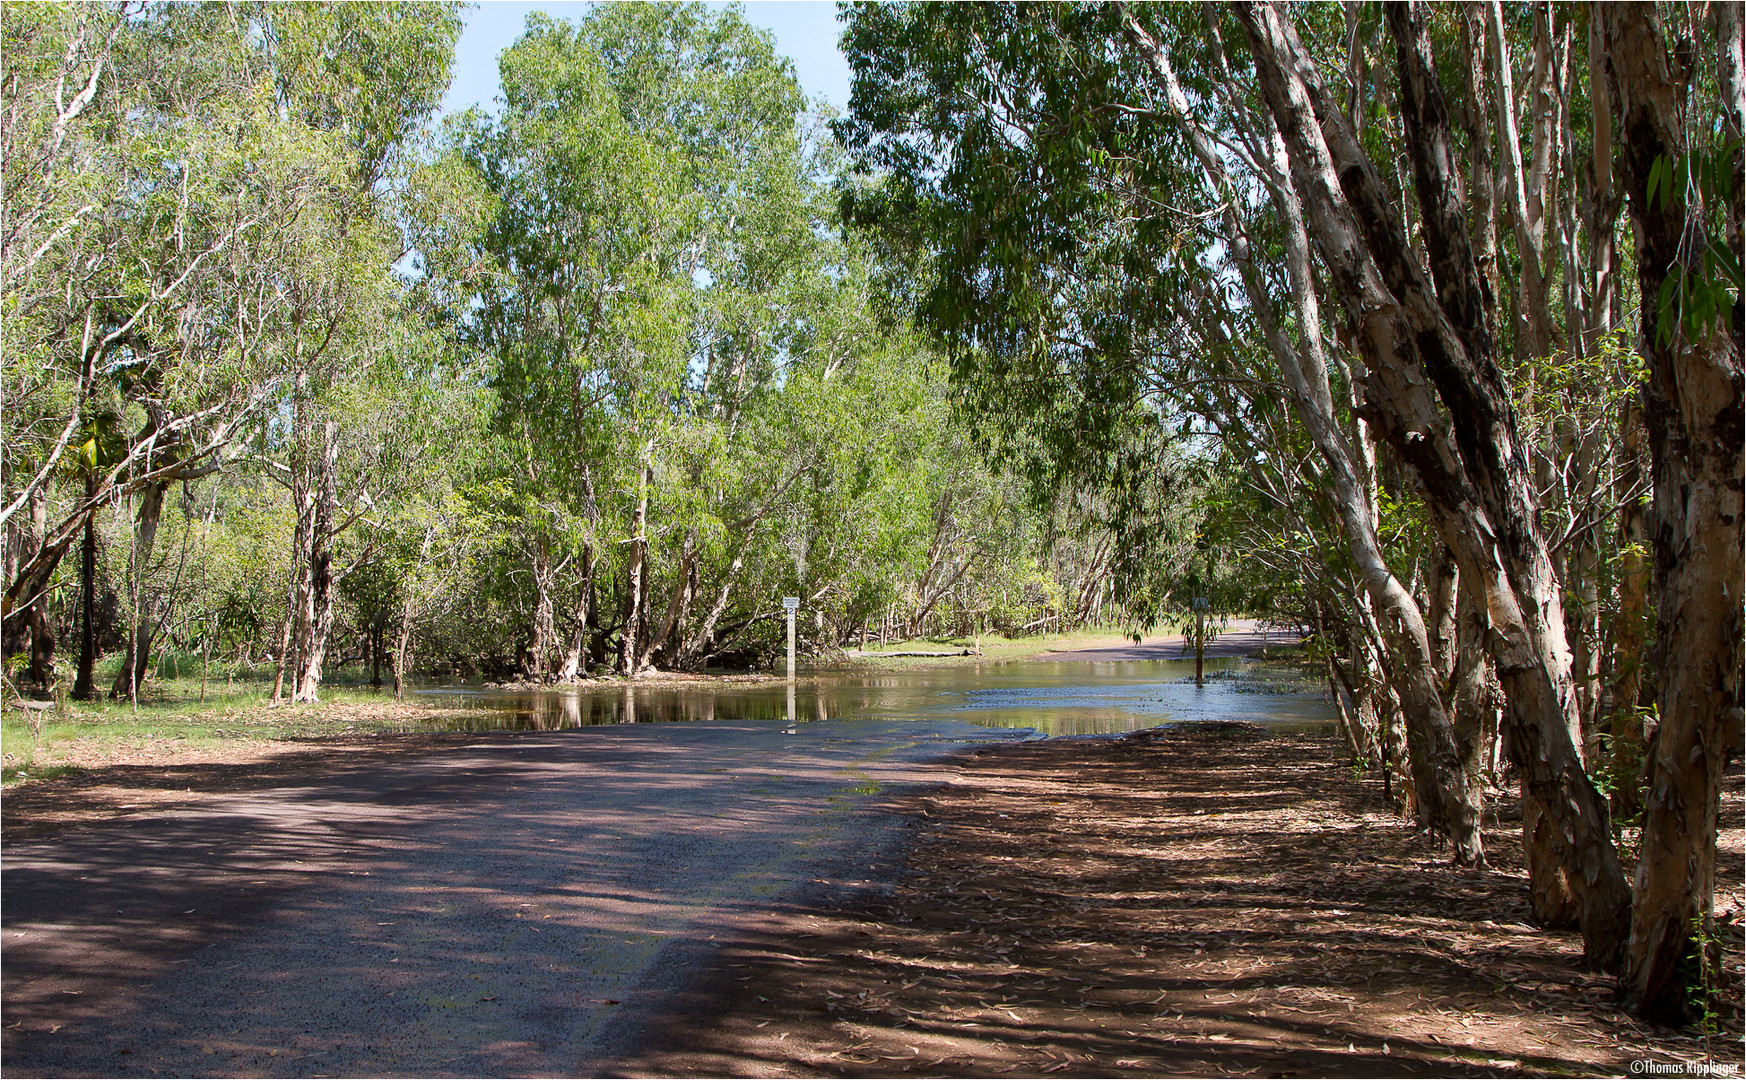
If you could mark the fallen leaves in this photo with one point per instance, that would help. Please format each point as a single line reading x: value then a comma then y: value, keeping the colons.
x: 1104, y: 926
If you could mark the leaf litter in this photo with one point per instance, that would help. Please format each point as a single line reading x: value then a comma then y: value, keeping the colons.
x: 1175, y: 902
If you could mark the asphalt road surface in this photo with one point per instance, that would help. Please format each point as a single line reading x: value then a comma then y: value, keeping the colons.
x: 514, y: 905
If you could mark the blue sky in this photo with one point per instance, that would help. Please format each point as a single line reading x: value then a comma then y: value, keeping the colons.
x: 806, y: 31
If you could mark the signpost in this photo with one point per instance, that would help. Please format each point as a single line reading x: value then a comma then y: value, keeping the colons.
x: 790, y: 604
x: 1200, y: 606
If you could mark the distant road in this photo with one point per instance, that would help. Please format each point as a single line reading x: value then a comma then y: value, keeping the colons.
x: 1240, y: 638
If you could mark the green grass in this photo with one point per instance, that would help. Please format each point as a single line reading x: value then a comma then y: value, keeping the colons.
x: 17, y: 774
x: 36, y: 744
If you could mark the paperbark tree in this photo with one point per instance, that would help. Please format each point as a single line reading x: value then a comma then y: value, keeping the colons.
x: 1696, y: 423
x: 1451, y: 800
x: 1423, y: 335
x: 143, y: 610
x: 204, y: 214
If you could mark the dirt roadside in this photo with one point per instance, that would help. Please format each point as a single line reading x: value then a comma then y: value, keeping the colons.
x: 1240, y: 637
x: 1202, y: 902
x: 107, y: 782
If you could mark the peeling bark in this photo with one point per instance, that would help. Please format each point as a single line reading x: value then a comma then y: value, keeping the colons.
x: 1473, y: 469
x: 1696, y: 420
x: 315, y: 618
x: 132, y: 674
x: 1629, y: 635
x: 576, y: 655
x: 1443, y: 795
x: 630, y: 654
x: 543, y: 632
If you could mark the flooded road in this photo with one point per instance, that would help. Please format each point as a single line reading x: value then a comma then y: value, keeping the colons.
x: 520, y: 900
x: 1048, y: 697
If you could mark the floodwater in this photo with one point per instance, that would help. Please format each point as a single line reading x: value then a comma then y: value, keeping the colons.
x: 519, y: 906
x: 1048, y: 697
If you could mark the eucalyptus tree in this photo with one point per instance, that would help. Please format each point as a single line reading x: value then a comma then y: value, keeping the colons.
x: 675, y: 327
x: 97, y: 451
x: 362, y: 79
x: 583, y: 317
x: 421, y: 534
x: 1453, y: 343
x: 778, y: 314
x: 1305, y: 369
x: 1020, y: 140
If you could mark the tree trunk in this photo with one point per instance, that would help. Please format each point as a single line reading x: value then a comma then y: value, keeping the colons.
x: 316, y: 620
x: 1472, y: 690
x: 543, y: 631
x: 302, y: 543
x: 630, y: 655
x: 1363, y: 736
x: 1527, y: 210
x: 292, y: 600
x: 684, y: 583
x: 597, y: 631
x: 85, y: 683
x: 1403, y: 761
x: 25, y: 624
x: 41, y: 669
x: 1631, y: 623
x: 1444, y: 796
x: 575, y: 661
x: 692, y: 653
x: 1472, y: 466
x: 1442, y: 613
x: 139, y: 639
x: 1482, y: 179
x: 402, y: 648
x: 1696, y: 419
x: 1582, y: 628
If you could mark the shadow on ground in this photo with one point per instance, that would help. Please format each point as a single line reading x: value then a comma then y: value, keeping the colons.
x: 1210, y: 901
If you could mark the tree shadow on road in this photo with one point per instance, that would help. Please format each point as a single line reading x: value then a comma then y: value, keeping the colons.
x: 1200, y: 901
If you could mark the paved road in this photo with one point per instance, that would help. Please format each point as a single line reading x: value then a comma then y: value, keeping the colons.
x: 1240, y: 637
x: 511, y: 907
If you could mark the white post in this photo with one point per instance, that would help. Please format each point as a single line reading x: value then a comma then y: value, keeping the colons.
x: 1200, y: 606
x: 790, y: 603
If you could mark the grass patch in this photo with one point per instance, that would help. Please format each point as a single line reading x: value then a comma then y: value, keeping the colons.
x: 171, y: 719
x: 17, y: 774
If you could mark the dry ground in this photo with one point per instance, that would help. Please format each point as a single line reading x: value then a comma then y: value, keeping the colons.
x: 1179, y: 902
x: 104, y: 780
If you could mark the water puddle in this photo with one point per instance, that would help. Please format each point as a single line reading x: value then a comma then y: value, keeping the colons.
x: 1048, y: 697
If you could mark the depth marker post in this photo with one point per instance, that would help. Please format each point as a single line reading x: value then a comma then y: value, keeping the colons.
x: 1200, y: 606
x: 790, y: 604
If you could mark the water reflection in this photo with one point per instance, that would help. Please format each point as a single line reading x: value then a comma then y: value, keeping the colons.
x: 1052, y: 697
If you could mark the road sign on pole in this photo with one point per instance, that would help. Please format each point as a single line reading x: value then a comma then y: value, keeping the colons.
x: 790, y: 604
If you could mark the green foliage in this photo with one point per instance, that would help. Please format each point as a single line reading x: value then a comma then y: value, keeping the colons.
x: 631, y: 287
x: 1012, y: 166
x: 1702, y: 291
